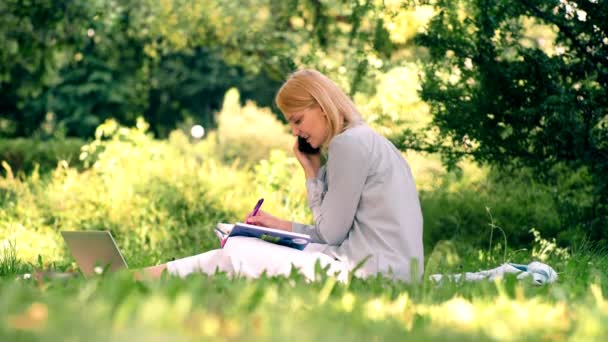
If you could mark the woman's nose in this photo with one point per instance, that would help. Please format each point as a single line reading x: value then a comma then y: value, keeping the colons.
x: 294, y: 131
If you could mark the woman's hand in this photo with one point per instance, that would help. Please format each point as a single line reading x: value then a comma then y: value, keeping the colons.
x: 310, y: 162
x: 264, y: 219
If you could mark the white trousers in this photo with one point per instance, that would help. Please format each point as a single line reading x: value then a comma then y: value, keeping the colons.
x: 250, y: 257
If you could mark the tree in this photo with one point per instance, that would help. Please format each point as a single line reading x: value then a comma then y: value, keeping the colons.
x: 503, y: 93
x: 68, y: 66
x: 33, y: 36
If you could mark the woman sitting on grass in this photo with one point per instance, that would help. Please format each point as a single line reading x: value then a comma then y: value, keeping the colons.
x: 363, y: 200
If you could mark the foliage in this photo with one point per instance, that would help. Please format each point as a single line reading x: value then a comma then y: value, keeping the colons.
x: 456, y: 209
x: 34, y: 37
x: 279, y: 179
x: 523, y: 83
x: 155, y: 196
x: 248, y: 132
x: 27, y: 155
x: 171, y: 61
x: 108, y: 65
x: 396, y: 105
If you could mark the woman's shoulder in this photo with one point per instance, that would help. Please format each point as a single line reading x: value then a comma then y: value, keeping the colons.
x: 356, y: 139
x: 359, y: 132
x: 364, y: 140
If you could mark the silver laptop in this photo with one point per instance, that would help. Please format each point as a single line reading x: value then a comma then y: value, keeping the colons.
x: 94, y: 249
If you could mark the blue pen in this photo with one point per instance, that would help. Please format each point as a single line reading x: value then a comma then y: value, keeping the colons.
x: 257, y: 207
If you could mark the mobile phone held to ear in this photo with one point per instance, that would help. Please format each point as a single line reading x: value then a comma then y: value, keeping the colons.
x: 305, y: 147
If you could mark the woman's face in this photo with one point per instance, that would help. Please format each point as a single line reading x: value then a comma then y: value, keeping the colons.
x: 310, y: 124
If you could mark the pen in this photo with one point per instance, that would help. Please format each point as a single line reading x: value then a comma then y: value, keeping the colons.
x: 257, y: 207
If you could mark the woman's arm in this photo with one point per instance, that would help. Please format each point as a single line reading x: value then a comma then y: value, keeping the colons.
x: 348, y: 166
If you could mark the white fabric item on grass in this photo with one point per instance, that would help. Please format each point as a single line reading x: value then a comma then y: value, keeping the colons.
x: 250, y: 257
x: 540, y: 273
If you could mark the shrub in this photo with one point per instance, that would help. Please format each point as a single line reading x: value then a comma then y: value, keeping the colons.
x: 248, y: 133
x: 160, y: 199
x: 465, y: 210
x: 25, y: 155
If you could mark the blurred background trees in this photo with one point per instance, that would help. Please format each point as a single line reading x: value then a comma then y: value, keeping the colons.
x: 524, y: 83
x: 516, y: 85
x: 66, y: 67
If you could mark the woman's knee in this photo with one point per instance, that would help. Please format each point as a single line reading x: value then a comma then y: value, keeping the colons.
x: 214, y: 261
x: 208, y: 262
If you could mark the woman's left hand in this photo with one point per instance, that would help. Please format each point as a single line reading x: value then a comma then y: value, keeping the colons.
x: 310, y: 162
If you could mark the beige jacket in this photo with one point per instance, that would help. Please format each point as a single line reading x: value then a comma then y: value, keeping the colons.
x: 365, y: 204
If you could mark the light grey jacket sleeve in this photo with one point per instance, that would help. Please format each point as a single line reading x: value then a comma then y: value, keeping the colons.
x: 347, y: 168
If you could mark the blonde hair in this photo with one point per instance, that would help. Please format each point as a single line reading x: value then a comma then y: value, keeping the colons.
x: 307, y: 88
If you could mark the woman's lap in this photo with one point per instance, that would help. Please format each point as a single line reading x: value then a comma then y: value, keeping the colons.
x: 250, y: 257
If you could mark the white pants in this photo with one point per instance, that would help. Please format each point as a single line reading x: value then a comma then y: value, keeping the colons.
x: 250, y: 257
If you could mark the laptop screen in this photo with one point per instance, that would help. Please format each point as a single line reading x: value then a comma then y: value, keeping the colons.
x: 94, y: 250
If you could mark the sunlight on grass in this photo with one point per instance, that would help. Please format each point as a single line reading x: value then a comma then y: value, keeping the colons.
x: 266, y: 308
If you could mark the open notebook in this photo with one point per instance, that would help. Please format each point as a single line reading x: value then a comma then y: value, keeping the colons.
x: 224, y: 231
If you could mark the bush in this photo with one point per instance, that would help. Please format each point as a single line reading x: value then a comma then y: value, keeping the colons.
x: 160, y: 199
x: 25, y: 155
x: 248, y: 133
x: 465, y: 210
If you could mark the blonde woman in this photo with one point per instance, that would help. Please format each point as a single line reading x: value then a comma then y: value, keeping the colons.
x: 363, y: 199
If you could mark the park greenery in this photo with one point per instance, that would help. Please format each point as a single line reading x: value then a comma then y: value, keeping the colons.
x: 499, y: 107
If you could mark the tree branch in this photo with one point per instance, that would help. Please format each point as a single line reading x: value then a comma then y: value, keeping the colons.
x: 566, y: 31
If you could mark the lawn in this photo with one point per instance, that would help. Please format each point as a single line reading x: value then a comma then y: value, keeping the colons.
x: 115, y: 307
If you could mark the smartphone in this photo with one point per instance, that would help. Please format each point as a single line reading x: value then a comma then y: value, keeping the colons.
x: 305, y: 147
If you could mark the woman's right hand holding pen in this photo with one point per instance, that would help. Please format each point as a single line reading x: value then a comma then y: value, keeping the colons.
x: 264, y: 219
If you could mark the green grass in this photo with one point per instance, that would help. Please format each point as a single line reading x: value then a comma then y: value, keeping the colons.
x: 115, y: 307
